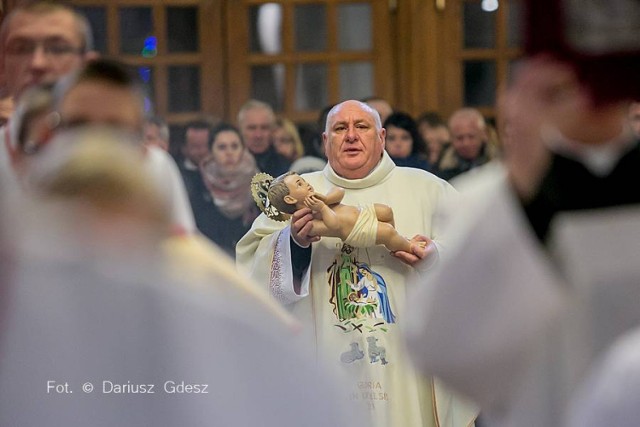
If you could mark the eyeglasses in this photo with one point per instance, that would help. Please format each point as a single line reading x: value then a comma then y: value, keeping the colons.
x: 50, y: 48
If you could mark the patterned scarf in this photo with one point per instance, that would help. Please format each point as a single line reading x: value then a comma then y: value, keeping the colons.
x: 230, y: 187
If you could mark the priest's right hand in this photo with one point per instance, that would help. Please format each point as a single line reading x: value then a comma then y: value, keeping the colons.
x: 302, y: 228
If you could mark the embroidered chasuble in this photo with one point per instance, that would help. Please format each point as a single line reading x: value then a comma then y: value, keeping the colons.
x: 352, y: 300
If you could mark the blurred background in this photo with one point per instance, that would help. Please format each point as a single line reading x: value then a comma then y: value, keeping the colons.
x: 207, y: 57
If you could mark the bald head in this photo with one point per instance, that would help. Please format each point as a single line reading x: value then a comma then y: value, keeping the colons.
x: 468, y: 132
x: 354, y: 139
x: 353, y: 103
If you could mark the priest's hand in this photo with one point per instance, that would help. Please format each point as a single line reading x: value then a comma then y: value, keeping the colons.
x: 422, y: 248
x: 302, y: 228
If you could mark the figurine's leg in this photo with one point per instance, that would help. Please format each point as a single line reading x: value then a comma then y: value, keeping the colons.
x: 388, y: 236
x: 384, y: 213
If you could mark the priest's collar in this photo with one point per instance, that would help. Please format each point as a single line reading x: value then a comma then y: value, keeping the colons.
x: 377, y: 175
x: 599, y: 159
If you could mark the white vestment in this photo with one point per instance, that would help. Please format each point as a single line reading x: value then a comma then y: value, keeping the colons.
x: 166, y: 175
x: 95, y: 337
x: 610, y: 395
x: 518, y: 326
x: 354, y: 329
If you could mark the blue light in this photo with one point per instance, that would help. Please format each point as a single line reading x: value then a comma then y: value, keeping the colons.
x: 148, y: 105
x: 150, y: 48
x: 145, y: 74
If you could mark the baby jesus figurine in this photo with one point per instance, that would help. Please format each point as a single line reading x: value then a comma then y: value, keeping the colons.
x: 360, y: 227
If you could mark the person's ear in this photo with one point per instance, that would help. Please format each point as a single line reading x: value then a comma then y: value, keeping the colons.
x: 290, y: 200
x: 325, y: 139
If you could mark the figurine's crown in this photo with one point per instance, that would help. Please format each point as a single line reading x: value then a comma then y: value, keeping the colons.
x: 260, y: 184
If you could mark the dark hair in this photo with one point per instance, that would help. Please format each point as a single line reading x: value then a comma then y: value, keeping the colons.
x: 225, y: 127
x: 406, y: 122
x: 201, y: 124
x: 103, y: 70
x: 322, y: 117
x: 110, y: 71
x: 431, y: 118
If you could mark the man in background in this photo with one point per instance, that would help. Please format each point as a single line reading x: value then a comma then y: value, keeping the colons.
x: 381, y: 105
x: 105, y: 93
x: 40, y: 41
x: 542, y: 247
x: 156, y: 132
x: 469, y: 144
x: 256, y: 121
x: 197, y: 147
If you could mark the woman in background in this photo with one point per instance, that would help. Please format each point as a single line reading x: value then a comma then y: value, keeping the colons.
x: 286, y: 140
x: 227, y: 174
x: 404, y: 143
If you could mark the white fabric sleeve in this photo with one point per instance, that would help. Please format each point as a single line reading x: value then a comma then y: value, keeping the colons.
x: 181, y: 211
x: 165, y: 174
x: 609, y: 397
x: 492, y: 294
x: 281, y: 281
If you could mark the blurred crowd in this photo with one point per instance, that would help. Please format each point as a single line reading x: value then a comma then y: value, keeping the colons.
x: 118, y: 267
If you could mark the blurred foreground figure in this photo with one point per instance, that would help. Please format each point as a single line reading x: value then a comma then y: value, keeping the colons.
x: 90, y: 321
x: 121, y: 106
x: 610, y: 396
x: 40, y: 42
x: 542, y: 252
x: 634, y: 118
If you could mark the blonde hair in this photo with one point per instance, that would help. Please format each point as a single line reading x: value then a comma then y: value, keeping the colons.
x: 99, y: 168
x: 290, y: 128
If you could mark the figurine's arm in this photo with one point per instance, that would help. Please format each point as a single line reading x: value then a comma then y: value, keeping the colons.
x: 329, y: 217
x: 335, y: 195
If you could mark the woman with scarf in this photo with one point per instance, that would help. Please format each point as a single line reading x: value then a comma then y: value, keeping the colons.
x: 227, y: 175
x: 404, y: 143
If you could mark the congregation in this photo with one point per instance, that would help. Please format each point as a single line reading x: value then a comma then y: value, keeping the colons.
x: 387, y: 269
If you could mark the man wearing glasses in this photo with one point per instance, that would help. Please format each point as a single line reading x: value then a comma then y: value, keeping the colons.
x: 40, y: 41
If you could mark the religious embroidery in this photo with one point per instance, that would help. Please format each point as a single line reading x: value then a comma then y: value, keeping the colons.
x: 375, y: 351
x: 277, y: 271
x: 352, y: 355
x: 358, y: 293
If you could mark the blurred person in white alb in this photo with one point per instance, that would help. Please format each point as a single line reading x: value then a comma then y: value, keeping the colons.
x: 541, y: 247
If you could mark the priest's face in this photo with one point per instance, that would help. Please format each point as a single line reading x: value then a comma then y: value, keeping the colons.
x: 354, y: 140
